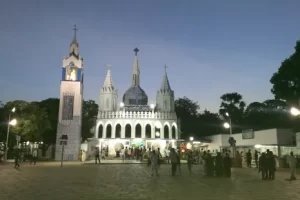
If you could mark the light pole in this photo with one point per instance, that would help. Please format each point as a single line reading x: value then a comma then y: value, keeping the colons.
x: 230, y: 125
x: 191, y: 139
x: 10, y: 123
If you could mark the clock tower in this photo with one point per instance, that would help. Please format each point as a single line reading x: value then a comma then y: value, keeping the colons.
x: 70, y: 104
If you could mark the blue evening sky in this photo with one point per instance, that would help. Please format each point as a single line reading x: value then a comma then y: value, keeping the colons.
x: 211, y: 47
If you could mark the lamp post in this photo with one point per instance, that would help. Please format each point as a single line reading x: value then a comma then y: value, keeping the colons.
x: 10, y: 123
x: 191, y: 139
x: 230, y: 125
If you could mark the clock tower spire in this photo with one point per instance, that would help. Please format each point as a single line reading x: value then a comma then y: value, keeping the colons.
x: 70, y: 104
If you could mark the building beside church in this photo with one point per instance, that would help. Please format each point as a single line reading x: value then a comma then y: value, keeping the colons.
x: 132, y: 121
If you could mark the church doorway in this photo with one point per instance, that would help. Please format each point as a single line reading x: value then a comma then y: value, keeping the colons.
x: 166, y: 131
x: 118, y: 131
x: 148, y: 131
x: 108, y: 131
x: 138, y: 131
x: 173, y: 132
x: 127, y: 131
x: 100, y: 131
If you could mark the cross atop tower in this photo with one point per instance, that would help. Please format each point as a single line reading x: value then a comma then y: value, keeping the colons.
x: 136, y: 50
x: 108, y: 66
x: 75, y: 29
x: 165, y: 68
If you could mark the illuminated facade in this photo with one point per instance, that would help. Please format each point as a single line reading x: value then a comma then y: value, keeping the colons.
x: 133, y: 122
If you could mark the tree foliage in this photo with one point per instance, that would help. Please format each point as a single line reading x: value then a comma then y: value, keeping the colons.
x: 286, y: 81
x: 89, y: 117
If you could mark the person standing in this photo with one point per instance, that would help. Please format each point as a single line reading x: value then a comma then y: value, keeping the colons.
x: 227, y: 165
x: 173, y: 158
x: 256, y: 158
x: 219, y: 165
x: 263, y: 166
x: 249, y: 158
x: 292, y: 163
x: 167, y: 154
x: 34, y: 156
x: 178, y: 161
x: 17, y: 157
x: 154, y: 163
x: 97, y: 155
x: 189, y: 161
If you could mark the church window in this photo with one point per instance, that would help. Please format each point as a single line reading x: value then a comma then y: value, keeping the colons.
x: 68, y: 106
x: 107, y: 103
x: 165, y: 104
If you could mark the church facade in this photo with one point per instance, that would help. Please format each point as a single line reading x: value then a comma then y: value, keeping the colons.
x: 132, y: 122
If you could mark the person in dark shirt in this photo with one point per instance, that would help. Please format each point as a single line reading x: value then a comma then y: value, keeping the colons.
x: 263, y: 166
x: 256, y: 158
x: 248, y: 158
x: 227, y: 165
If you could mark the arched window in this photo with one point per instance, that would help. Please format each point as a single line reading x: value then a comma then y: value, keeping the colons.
x: 108, y: 131
x: 100, y: 131
x: 166, y: 131
x: 173, y: 132
x: 138, y: 131
x: 127, y: 131
x: 148, y: 131
x: 118, y: 131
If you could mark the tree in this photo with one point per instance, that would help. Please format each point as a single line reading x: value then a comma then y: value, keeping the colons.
x: 51, y: 107
x: 185, y: 107
x: 286, y: 81
x: 233, y: 104
x: 186, y: 111
x: 89, y: 117
x: 208, y: 124
x: 268, y: 114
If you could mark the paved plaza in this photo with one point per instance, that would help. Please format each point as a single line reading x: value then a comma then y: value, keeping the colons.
x: 133, y: 181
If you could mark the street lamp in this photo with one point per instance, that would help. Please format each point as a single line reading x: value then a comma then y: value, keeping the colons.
x: 191, y: 139
x: 10, y: 123
x: 228, y: 125
x: 294, y: 111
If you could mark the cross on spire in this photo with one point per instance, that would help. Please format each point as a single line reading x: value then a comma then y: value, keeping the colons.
x: 108, y: 66
x: 165, y: 68
x: 75, y: 29
x: 136, y: 50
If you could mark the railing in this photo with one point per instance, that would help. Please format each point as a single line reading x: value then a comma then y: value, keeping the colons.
x: 136, y: 115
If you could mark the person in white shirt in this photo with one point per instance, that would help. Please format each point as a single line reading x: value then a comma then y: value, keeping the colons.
x: 123, y: 153
x: 292, y: 163
x: 34, y: 156
x: 167, y: 153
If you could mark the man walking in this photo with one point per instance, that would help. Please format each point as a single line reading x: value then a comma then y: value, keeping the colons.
x: 34, y: 156
x: 97, y: 155
x: 173, y: 158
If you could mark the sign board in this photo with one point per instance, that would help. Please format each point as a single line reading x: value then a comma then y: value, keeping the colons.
x: 248, y: 134
x: 63, y: 142
x: 18, y: 138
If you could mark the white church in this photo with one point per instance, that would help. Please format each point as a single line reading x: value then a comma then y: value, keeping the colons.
x: 130, y: 122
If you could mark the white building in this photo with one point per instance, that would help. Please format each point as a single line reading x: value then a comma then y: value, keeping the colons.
x: 133, y: 122
x: 261, y: 140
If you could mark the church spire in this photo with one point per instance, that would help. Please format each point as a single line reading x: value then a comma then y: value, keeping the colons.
x: 108, y: 83
x: 165, y: 83
x: 136, y: 70
x: 74, y: 46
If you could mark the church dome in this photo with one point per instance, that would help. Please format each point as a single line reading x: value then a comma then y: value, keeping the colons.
x: 134, y: 96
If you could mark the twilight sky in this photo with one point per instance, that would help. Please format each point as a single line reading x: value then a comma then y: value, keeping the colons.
x: 211, y: 47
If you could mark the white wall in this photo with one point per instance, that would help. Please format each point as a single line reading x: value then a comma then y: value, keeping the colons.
x: 263, y: 137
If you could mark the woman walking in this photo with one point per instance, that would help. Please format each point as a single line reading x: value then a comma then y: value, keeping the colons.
x: 189, y: 161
